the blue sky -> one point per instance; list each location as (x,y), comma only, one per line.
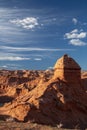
(35,33)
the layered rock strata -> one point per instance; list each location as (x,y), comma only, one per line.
(51,97)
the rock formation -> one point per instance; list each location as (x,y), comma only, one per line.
(51,97)
(67,69)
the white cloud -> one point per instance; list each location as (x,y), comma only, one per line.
(77,42)
(75,34)
(82,35)
(4,66)
(74,20)
(12,58)
(74,31)
(11,66)
(75,37)
(20,49)
(38,59)
(27,23)
(10,32)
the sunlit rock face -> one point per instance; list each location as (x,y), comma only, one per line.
(46,97)
(67,69)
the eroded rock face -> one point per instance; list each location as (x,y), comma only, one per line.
(47,97)
(67,69)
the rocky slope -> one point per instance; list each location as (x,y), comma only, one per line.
(44,98)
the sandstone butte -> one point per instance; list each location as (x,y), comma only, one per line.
(50,97)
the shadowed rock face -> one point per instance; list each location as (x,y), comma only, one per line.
(51,97)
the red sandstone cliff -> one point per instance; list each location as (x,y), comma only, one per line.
(51,97)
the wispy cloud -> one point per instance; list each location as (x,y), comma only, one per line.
(9,53)
(75,21)
(21,26)
(19,43)
(75,37)
(38,59)
(9,33)
(11,66)
(26,19)
(20,49)
(8,56)
(12,58)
